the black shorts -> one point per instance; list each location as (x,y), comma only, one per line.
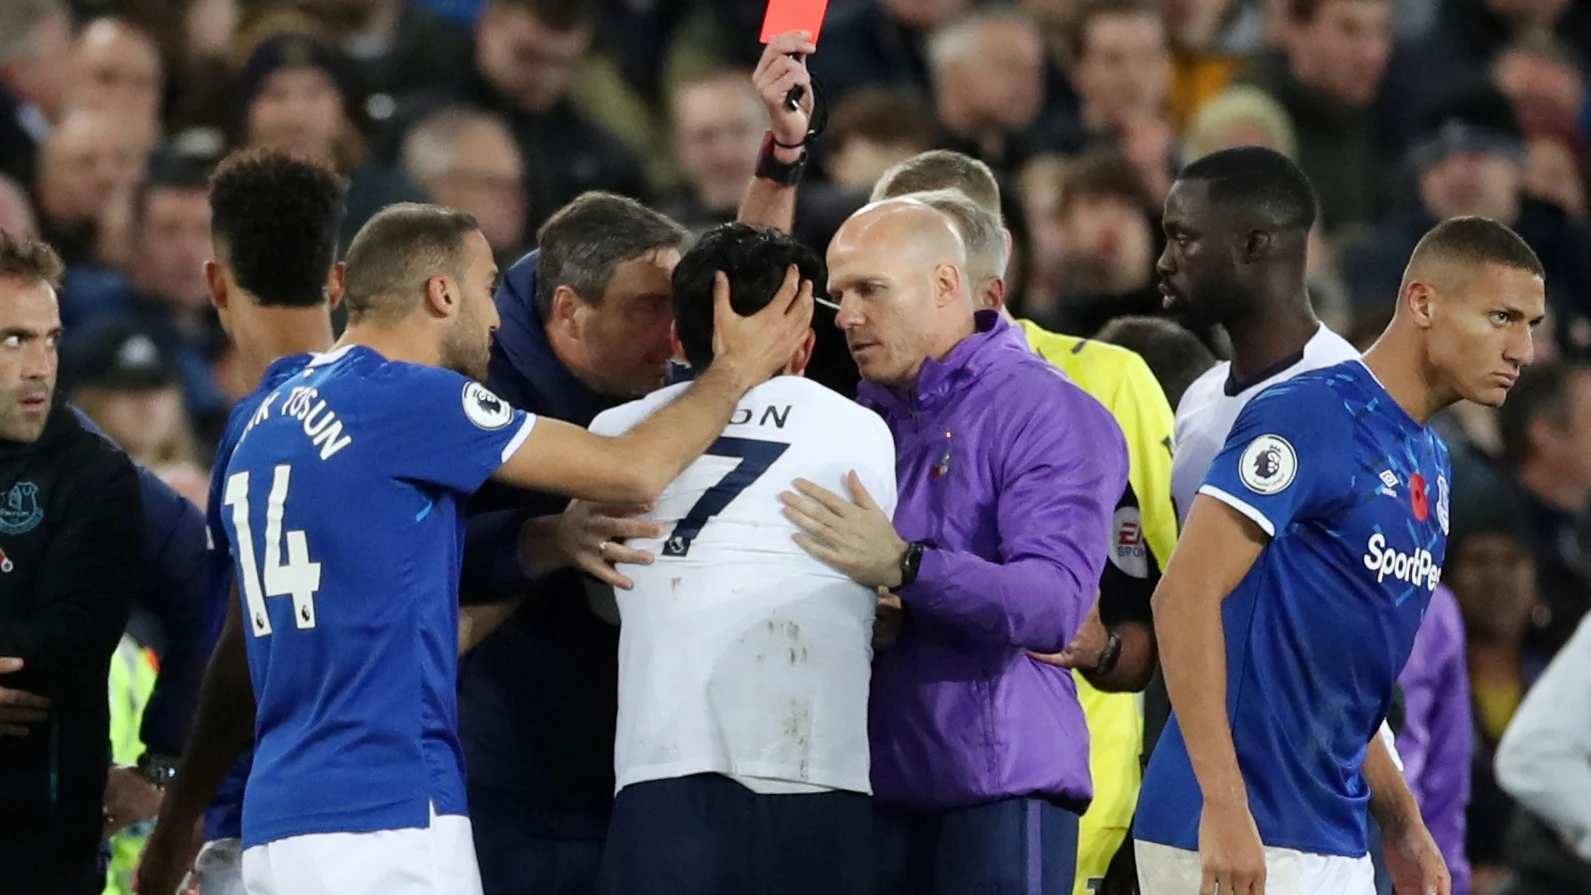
(708,835)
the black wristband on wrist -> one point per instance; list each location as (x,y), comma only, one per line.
(159,770)
(782,173)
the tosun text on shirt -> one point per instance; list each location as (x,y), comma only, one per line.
(305,404)
(1419,568)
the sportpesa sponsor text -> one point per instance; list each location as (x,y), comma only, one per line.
(1417,568)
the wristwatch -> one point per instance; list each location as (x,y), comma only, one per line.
(910,561)
(159,770)
(782,173)
(1110,655)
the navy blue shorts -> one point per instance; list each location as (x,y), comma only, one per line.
(1010,847)
(708,835)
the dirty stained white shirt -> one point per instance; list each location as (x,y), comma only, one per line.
(739,654)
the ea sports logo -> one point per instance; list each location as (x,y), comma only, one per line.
(1268,465)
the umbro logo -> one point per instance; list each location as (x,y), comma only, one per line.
(1389,483)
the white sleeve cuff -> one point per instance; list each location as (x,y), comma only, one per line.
(1242,506)
(519,437)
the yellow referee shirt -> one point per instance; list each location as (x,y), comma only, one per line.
(1119,379)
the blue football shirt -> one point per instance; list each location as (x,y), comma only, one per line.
(342,503)
(1354,494)
(224,819)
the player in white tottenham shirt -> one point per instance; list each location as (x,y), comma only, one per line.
(742,754)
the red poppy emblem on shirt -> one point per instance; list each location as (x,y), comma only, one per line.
(1417,498)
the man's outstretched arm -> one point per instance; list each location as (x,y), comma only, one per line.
(223,727)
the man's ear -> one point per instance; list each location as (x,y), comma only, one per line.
(1420,298)
(441,298)
(947,284)
(334,283)
(1256,244)
(565,306)
(215,278)
(676,345)
(803,355)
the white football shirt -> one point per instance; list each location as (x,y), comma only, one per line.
(1211,404)
(739,654)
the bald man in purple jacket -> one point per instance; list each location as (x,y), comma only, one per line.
(1008,478)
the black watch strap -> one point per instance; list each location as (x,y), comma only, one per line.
(782,173)
(159,770)
(911,561)
(1110,655)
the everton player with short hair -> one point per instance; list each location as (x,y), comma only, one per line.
(1291,605)
(342,499)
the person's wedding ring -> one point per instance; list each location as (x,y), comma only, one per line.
(602,548)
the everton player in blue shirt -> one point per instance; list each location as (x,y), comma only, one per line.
(342,499)
(1292,602)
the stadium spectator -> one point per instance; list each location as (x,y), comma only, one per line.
(1558,164)
(1006,818)
(988,75)
(88,159)
(16,214)
(468,160)
(35,74)
(295,93)
(752,764)
(1242,115)
(396,46)
(1109,239)
(164,289)
(874,129)
(718,124)
(1469,161)
(1492,573)
(1327,78)
(1118,59)
(1437,737)
(66,600)
(881,44)
(1539,70)
(526,53)
(1175,356)
(133,392)
(1545,426)
(1209,40)
(116,68)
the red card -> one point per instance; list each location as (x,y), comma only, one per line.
(793,15)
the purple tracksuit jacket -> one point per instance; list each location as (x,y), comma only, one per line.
(1012,473)
(1439,733)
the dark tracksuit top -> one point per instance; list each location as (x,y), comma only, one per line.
(72,534)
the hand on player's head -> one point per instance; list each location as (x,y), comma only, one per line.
(763,343)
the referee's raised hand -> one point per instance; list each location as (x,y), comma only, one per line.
(19,709)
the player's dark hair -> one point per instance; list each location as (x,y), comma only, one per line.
(941,169)
(1174,355)
(275,219)
(755,261)
(1478,240)
(397,251)
(1258,179)
(29,260)
(1542,393)
(584,241)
